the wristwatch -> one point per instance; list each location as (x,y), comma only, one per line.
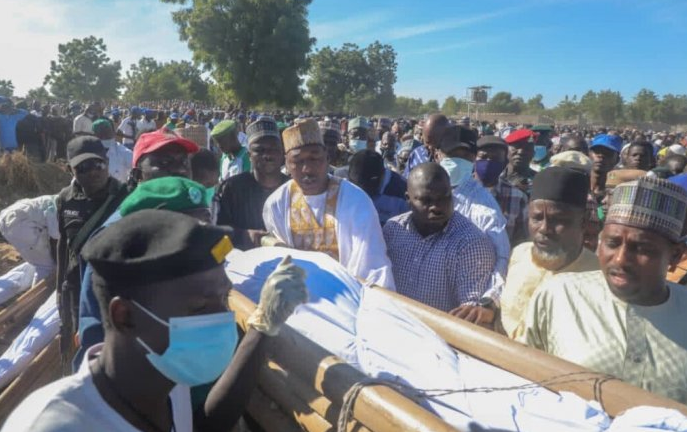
(487,302)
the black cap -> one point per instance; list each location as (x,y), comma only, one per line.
(151,246)
(566,185)
(491,141)
(456,136)
(83,148)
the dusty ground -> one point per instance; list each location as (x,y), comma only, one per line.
(9,258)
(20,178)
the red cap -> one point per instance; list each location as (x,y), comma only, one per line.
(151,141)
(520,135)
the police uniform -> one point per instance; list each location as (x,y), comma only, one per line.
(77,217)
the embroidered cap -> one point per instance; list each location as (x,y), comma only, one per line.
(303,133)
(263,127)
(650,203)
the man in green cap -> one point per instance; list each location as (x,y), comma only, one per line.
(176,194)
(162,289)
(235,159)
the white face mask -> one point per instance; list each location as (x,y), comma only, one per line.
(357,145)
(458,169)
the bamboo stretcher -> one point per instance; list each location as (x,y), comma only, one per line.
(19,312)
(309,384)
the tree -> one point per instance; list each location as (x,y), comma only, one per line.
(6,88)
(566,109)
(588,104)
(452,106)
(534,105)
(431,106)
(83,71)
(408,106)
(645,106)
(353,79)
(39,94)
(257,49)
(149,80)
(673,109)
(609,106)
(503,102)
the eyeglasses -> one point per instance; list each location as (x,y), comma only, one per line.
(89,165)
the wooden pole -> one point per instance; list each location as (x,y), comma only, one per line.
(15,317)
(269,417)
(615,395)
(377,407)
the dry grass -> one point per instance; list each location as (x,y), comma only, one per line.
(20,178)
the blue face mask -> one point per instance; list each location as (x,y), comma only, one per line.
(357,145)
(209,195)
(539,153)
(200,347)
(458,169)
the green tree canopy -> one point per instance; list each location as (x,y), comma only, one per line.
(534,105)
(149,80)
(6,88)
(256,48)
(83,71)
(503,102)
(39,94)
(452,106)
(408,106)
(353,79)
(645,107)
(431,106)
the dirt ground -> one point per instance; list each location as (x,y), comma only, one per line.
(20,178)
(9,258)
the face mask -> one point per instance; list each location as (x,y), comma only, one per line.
(357,145)
(200,347)
(209,195)
(488,171)
(458,169)
(539,153)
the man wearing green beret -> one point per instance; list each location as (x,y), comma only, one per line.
(162,289)
(235,159)
(176,194)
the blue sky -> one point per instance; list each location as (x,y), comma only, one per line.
(552,47)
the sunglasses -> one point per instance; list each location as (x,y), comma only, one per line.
(89,165)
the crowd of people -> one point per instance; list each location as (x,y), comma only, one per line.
(562,238)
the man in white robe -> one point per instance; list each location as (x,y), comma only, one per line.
(318,212)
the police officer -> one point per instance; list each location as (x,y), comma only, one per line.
(161,285)
(83,206)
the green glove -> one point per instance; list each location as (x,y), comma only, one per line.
(284,289)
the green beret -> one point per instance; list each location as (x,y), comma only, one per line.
(223,128)
(358,122)
(168,193)
(152,246)
(101,123)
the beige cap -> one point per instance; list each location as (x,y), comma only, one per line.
(303,133)
(572,159)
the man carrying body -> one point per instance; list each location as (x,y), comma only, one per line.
(491,160)
(624,320)
(242,197)
(81,208)
(318,212)
(438,256)
(456,154)
(556,225)
(235,159)
(119,157)
(520,154)
(162,289)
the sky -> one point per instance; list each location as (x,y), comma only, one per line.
(552,47)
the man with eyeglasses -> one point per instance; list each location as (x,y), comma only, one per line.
(82,207)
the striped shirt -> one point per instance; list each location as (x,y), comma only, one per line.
(443,270)
(513,203)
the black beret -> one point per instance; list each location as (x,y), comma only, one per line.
(491,140)
(151,246)
(566,185)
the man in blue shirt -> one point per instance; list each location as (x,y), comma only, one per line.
(9,118)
